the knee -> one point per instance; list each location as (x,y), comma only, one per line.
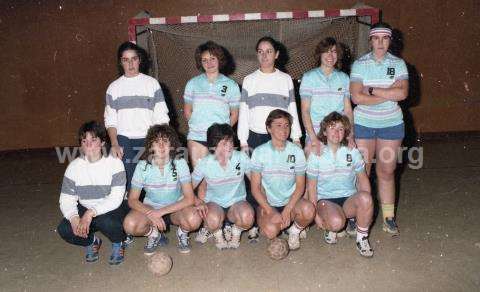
(308,211)
(365,200)
(270,231)
(336,223)
(192,221)
(64,229)
(246,217)
(385,173)
(129,225)
(214,221)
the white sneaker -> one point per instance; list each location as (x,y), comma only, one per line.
(363,247)
(253,234)
(341,234)
(235,237)
(203,235)
(293,238)
(227,232)
(330,237)
(303,233)
(220,241)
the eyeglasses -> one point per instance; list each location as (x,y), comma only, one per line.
(128,60)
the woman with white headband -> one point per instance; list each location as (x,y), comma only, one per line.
(378,81)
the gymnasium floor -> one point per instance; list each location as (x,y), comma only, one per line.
(438,249)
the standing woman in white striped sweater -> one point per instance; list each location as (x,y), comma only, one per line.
(134,102)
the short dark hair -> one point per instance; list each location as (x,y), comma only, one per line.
(331,119)
(272,41)
(156,132)
(325,45)
(214,49)
(277,114)
(94,128)
(217,133)
(142,55)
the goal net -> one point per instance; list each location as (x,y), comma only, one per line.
(171,42)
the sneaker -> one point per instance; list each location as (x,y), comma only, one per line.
(128,240)
(293,240)
(220,241)
(351,228)
(183,243)
(151,245)
(253,235)
(363,247)
(92,250)
(390,226)
(118,253)
(303,233)
(227,231)
(235,235)
(203,235)
(330,237)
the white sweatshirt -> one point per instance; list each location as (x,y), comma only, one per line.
(133,104)
(99,186)
(262,93)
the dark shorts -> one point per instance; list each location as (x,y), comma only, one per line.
(338,201)
(204,143)
(388,133)
(166,218)
(279,209)
(226,221)
(255,139)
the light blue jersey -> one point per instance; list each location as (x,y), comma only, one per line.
(326,93)
(225,187)
(382,74)
(211,103)
(279,170)
(336,174)
(161,189)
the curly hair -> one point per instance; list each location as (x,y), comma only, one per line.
(323,47)
(332,119)
(215,50)
(156,132)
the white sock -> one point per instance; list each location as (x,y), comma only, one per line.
(153,232)
(295,229)
(236,230)
(180,231)
(361,232)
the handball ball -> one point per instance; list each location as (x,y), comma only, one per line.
(278,249)
(160,264)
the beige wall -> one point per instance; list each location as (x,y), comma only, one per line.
(58,58)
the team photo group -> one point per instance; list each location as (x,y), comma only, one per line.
(250,167)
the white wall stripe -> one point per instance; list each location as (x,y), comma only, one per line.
(159,20)
(253,16)
(221,17)
(188,19)
(348,12)
(316,13)
(281,15)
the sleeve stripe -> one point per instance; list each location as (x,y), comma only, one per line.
(68,186)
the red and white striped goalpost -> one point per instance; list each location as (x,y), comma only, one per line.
(373,13)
